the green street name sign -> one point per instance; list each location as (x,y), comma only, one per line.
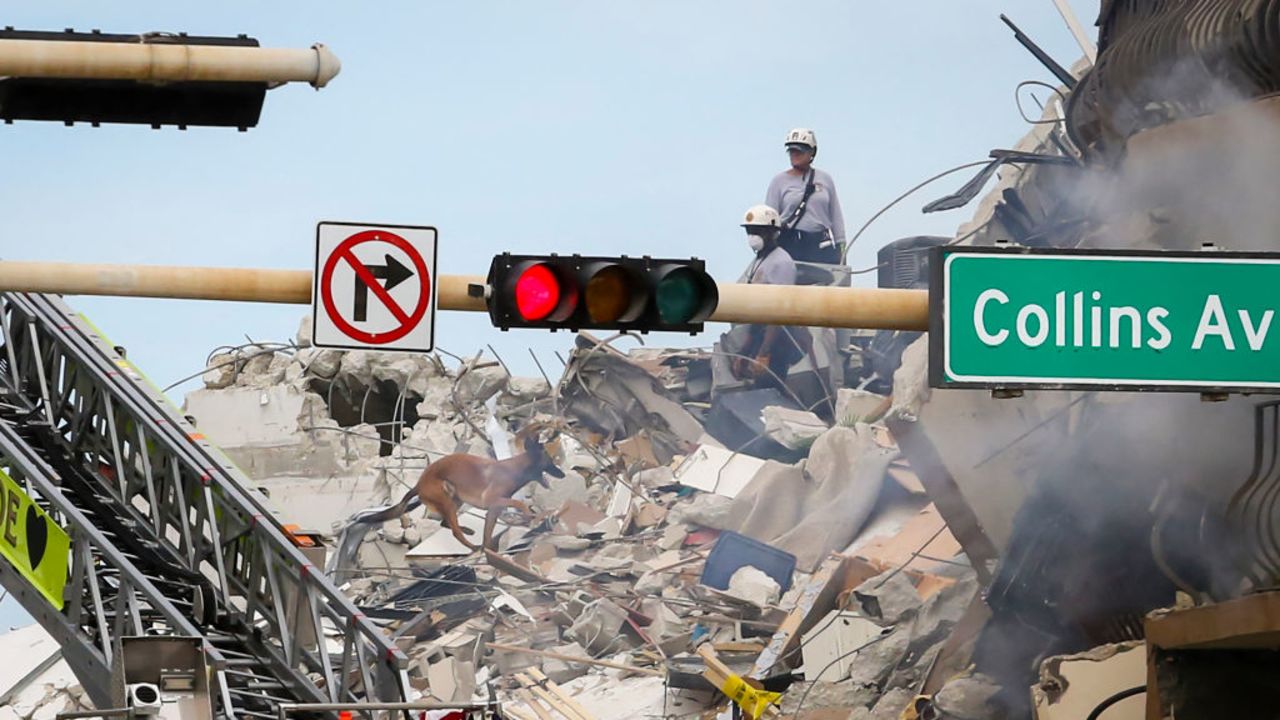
(1022,318)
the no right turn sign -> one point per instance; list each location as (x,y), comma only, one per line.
(374,287)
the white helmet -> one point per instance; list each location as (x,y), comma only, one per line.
(762,215)
(802,136)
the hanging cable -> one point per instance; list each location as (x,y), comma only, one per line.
(844,253)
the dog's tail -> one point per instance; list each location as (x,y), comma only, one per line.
(409,502)
(350,537)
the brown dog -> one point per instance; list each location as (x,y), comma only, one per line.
(478,481)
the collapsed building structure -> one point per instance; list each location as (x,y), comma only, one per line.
(907,553)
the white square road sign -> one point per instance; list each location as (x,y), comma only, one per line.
(374,287)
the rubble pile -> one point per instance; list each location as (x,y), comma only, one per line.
(658,544)
(852,545)
(34,683)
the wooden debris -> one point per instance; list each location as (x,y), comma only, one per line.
(575,659)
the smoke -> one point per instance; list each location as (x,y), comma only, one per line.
(1204,178)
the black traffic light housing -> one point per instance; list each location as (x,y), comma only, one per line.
(575,292)
(217,104)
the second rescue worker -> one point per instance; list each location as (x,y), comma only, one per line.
(812,222)
(768,351)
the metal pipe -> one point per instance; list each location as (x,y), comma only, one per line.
(165,62)
(285,709)
(1077,30)
(810,305)
(126,712)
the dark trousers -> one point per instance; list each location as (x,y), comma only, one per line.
(802,246)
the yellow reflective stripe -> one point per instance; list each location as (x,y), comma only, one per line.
(752,701)
(29,539)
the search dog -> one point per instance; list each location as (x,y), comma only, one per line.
(478,481)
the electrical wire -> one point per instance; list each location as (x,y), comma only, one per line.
(949,243)
(800,707)
(1112,700)
(844,253)
(236,359)
(918,553)
(1017,101)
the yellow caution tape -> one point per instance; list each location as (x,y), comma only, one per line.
(752,701)
(36,547)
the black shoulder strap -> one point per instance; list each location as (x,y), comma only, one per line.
(755,264)
(804,204)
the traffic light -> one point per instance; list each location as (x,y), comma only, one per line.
(606,293)
(150,79)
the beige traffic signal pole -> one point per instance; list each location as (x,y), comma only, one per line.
(811,305)
(167,61)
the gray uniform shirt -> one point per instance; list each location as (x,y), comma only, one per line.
(776,268)
(823,212)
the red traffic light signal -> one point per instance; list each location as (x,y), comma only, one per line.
(611,293)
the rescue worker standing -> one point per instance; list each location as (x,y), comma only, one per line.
(812,221)
(768,346)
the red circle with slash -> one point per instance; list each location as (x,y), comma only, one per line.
(408,321)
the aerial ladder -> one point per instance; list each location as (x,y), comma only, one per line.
(167,538)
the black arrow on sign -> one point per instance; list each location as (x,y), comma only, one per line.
(393,273)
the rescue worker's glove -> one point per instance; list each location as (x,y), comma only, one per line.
(760,366)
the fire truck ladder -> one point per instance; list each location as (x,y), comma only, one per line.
(166,536)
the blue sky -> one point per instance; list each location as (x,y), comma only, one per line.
(595,127)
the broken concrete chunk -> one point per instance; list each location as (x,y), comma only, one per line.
(575,455)
(673,536)
(891,704)
(577,517)
(889,597)
(452,680)
(362,442)
(638,449)
(561,671)
(356,368)
(401,372)
(792,429)
(942,610)
(968,698)
(705,509)
(751,584)
(570,487)
(911,381)
(522,390)
(650,515)
(294,372)
(832,696)
(436,393)
(325,363)
(878,659)
(609,528)
(221,371)
(393,531)
(479,384)
(654,478)
(303,337)
(599,628)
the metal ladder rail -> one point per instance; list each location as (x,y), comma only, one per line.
(88,641)
(182,588)
(256,564)
(364,646)
(130,614)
